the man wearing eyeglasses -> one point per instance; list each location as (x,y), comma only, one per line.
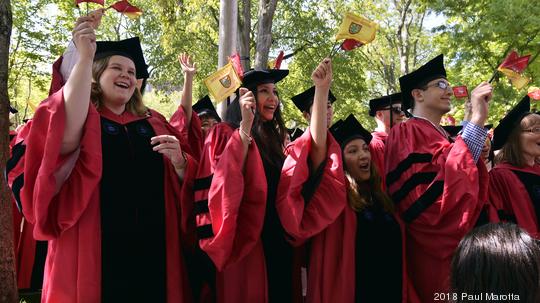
(387,113)
(438,185)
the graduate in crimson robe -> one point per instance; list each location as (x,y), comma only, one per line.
(353,246)
(106,183)
(515,180)
(312,200)
(387,113)
(437,184)
(235,194)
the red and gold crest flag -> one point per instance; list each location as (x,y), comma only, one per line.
(235,60)
(125,8)
(357,28)
(513,67)
(460,91)
(223,83)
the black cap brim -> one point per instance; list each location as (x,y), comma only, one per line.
(434,69)
(383,102)
(348,130)
(509,122)
(304,100)
(130,48)
(255,77)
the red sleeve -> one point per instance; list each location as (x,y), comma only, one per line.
(48,203)
(302,219)
(57,81)
(511,199)
(192,135)
(376,148)
(230,204)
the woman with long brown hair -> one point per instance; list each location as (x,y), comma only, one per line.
(105,181)
(515,179)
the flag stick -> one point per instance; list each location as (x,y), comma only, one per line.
(494,75)
(332,50)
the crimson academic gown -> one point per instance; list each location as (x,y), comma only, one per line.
(61,197)
(513,192)
(439,192)
(231,207)
(376,148)
(322,217)
(193,135)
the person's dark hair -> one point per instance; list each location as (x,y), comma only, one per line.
(512,151)
(269,135)
(497,258)
(359,196)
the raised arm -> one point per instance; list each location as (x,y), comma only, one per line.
(77,88)
(189,69)
(247,107)
(322,78)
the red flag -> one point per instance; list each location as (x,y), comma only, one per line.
(237,65)
(350,44)
(534,92)
(460,91)
(279,59)
(102,2)
(514,62)
(124,7)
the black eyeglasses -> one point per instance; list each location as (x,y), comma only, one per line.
(396,110)
(440,84)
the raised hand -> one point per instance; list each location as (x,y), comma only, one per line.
(480,97)
(322,75)
(169,146)
(84,37)
(188,66)
(96,17)
(247,108)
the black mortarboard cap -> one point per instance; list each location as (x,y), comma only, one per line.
(509,122)
(305,99)
(488,126)
(205,107)
(432,70)
(130,48)
(295,133)
(12,110)
(256,77)
(348,130)
(453,130)
(382,102)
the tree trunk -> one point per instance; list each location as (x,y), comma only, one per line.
(8,285)
(244,34)
(264,32)
(228,16)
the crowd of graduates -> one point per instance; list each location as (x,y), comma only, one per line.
(117,204)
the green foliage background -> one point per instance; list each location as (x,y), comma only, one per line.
(474,36)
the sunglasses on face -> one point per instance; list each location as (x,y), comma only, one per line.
(396,110)
(440,84)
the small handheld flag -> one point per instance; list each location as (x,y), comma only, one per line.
(125,8)
(357,28)
(460,91)
(513,67)
(237,65)
(223,83)
(534,92)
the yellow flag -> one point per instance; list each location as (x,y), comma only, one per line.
(223,83)
(357,28)
(31,105)
(517,79)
